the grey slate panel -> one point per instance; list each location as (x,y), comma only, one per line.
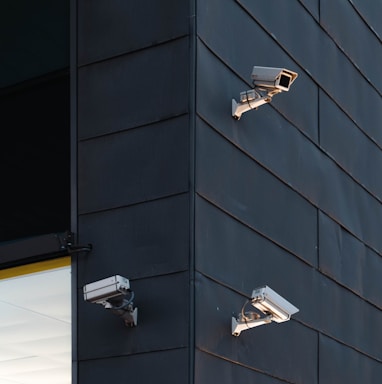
(169,367)
(144,240)
(287,351)
(313,7)
(212,369)
(348,261)
(309,170)
(340,364)
(351,33)
(134,89)
(163,320)
(108,29)
(319,55)
(371,12)
(341,314)
(134,166)
(230,179)
(350,147)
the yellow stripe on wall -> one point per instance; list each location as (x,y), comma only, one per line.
(35,267)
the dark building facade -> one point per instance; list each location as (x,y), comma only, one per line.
(194,207)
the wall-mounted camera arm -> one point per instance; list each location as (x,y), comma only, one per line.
(248,100)
(124,308)
(247,321)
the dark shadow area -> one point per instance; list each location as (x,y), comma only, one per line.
(35,159)
(34,118)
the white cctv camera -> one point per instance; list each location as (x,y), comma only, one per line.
(271,304)
(112,293)
(267,82)
(273,78)
(103,290)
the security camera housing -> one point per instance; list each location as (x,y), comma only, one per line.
(101,291)
(269,302)
(276,78)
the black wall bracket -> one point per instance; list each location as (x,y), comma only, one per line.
(67,244)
